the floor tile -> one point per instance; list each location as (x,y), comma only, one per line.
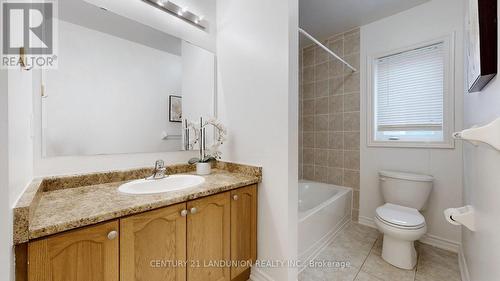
(377,249)
(361,247)
(340,274)
(436,264)
(311,274)
(376,266)
(347,273)
(358,243)
(361,232)
(352,245)
(363,276)
(344,253)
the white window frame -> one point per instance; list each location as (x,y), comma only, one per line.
(448,97)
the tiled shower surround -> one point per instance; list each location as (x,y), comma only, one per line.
(329,114)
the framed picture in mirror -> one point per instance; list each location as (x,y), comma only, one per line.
(174,108)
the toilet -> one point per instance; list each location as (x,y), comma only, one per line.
(399,219)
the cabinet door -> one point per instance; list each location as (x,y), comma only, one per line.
(243,228)
(208,227)
(153,245)
(80,255)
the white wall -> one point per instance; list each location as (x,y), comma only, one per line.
(109,98)
(258,101)
(16,154)
(5,210)
(482,187)
(20,132)
(428,21)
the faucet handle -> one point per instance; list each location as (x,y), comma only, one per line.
(159,164)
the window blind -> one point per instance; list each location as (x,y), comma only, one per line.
(409,90)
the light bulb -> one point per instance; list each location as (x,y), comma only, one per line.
(198,19)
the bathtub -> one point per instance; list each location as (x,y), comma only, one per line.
(323,210)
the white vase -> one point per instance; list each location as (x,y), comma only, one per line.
(203,168)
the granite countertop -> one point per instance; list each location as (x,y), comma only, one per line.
(54,205)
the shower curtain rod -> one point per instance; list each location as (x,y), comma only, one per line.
(326,49)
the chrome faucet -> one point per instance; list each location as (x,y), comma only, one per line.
(159,172)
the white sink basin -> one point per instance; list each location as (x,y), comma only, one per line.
(170,183)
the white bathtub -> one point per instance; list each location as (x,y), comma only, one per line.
(323,210)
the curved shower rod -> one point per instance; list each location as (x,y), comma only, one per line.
(326,49)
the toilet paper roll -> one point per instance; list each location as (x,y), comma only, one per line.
(448,213)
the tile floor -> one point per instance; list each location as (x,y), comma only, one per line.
(361,246)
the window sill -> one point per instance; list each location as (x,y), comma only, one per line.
(408,144)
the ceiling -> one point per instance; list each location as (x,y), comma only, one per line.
(324,18)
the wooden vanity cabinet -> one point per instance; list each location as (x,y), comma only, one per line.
(208,238)
(85,254)
(153,245)
(243,230)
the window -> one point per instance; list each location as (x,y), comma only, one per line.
(410,100)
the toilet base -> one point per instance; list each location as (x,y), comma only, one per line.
(399,253)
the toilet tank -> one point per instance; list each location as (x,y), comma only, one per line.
(405,189)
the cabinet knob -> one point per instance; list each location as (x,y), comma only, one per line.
(194,210)
(184,213)
(112,235)
(235,197)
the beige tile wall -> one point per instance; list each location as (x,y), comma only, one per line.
(329,114)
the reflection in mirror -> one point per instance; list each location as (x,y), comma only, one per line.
(121,86)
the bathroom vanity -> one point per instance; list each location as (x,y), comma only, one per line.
(83,228)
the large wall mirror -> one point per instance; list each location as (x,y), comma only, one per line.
(121,86)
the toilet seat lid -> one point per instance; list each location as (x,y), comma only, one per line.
(400,215)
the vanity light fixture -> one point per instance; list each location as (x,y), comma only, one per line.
(178,11)
(200,18)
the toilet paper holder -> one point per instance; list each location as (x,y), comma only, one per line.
(489,134)
(461,216)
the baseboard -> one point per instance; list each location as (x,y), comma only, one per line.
(366,221)
(441,243)
(428,239)
(462,264)
(258,275)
